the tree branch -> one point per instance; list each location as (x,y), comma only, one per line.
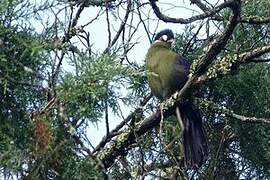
(209,105)
(250,55)
(207,14)
(259,60)
(70,32)
(227,63)
(113,133)
(88,3)
(108,24)
(255,20)
(121,28)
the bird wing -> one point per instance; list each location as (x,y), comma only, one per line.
(179,73)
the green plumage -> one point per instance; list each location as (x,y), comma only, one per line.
(166,72)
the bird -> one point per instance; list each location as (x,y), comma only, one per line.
(167,72)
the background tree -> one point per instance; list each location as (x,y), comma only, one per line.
(65,65)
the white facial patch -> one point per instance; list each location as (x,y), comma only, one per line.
(165,38)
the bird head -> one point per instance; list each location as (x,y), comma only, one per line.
(165,35)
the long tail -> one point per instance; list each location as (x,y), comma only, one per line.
(195,141)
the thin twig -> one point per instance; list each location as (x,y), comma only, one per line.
(121,28)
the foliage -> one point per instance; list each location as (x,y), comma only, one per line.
(54,84)
(87,93)
(19,66)
(245,93)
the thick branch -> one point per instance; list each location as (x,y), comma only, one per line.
(255,20)
(227,63)
(259,60)
(201,5)
(88,3)
(113,132)
(207,14)
(248,56)
(248,119)
(198,68)
(218,44)
(121,144)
